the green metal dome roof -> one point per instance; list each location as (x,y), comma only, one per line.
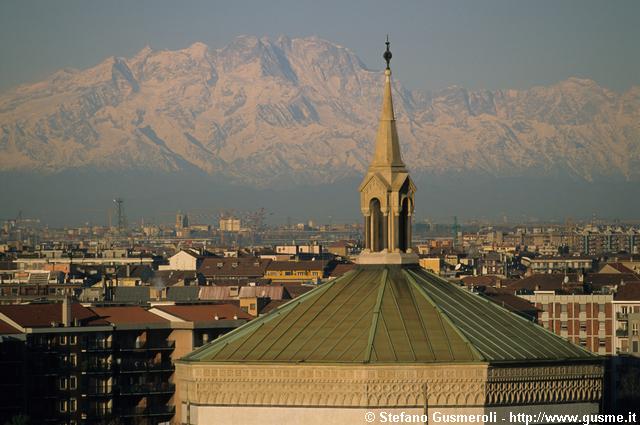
(388,314)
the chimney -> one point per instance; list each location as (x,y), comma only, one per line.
(66,311)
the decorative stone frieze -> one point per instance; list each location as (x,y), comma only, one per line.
(386,386)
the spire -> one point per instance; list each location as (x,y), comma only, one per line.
(387,153)
(387,192)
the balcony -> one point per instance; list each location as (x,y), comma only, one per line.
(44,348)
(143,389)
(97,368)
(622,316)
(148,411)
(146,366)
(622,333)
(149,345)
(97,415)
(97,346)
(99,390)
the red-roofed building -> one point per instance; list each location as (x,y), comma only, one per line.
(69,359)
(195,325)
(616,268)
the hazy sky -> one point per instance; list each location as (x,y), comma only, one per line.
(476,44)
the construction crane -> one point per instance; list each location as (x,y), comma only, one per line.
(255,219)
(455,229)
(122,219)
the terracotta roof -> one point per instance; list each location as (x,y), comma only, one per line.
(205,312)
(237,267)
(513,303)
(630,291)
(127,315)
(41,315)
(545,282)
(272,305)
(296,265)
(597,280)
(619,267)
(7,329)
(341,268)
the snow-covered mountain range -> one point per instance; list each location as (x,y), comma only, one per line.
(264,112)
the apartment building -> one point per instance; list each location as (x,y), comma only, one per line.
(74,364)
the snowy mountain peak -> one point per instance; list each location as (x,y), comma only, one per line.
(304,110)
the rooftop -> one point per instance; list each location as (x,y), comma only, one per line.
(296,265)
(630,291)
(389,314)
(130,314)
(205,312)
(42,315)
(243,266)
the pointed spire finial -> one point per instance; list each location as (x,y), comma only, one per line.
(387,54)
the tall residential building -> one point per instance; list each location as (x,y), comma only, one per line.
(67,364)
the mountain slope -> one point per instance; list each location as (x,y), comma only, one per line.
(300,111)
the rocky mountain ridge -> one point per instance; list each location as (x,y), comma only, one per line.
(303,111)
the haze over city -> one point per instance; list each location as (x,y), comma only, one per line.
(506,109)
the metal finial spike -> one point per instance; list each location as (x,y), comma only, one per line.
(387,54)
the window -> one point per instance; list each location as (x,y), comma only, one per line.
(602,326)
(73,405)
(583,342)
(563,308)
(62,405)
(600,308)
(634,329)
(602,343)
(634,347)
(73,383)
(63,383)
(62,340)
(563,325)
(583,326)
(583,308)
(73,340)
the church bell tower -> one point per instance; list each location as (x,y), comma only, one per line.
(387,192)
